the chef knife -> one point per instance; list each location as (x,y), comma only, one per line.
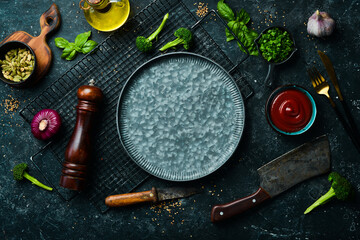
(153,195)
(306,161)
(331,73)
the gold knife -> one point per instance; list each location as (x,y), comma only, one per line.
(331,72)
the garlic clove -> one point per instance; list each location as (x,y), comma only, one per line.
(320,24)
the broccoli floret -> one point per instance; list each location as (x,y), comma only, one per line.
(184,36)
(144,44)
(340,188)
(20,173)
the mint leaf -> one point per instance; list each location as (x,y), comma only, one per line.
(81,39)
(225,11)
(88,46)
(61,42)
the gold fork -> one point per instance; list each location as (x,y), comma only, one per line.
(319,83)
(322,88)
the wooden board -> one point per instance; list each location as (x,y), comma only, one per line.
(49,22)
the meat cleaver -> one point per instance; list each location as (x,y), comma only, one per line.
(306,161)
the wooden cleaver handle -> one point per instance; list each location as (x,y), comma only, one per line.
(225,211)
(131,198)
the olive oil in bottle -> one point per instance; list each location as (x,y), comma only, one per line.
(106,15)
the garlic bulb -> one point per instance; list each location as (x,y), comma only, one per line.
(320,24)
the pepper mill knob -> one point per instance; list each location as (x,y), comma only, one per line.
(78,151)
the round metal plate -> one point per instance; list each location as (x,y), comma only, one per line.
(180,116)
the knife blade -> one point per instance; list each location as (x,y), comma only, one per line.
(153,195)
(355,134)
(306,161)
(331,72)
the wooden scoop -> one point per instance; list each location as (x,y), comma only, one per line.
(49,21)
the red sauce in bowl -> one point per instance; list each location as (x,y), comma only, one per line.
(290,110)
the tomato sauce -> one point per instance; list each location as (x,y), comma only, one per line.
(291,110)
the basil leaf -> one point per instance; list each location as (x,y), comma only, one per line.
(78,49)
(68,50)
(81,39)
(225,11)
(88,46)
(229,36)
(233,25)
(71,56)
(245,35)
(61,42)
(243,16)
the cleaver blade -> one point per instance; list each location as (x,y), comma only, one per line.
(306,161)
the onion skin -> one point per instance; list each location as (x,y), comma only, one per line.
(52,126)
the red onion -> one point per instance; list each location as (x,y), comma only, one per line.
(45,124)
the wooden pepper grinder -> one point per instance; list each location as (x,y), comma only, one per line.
(78,150)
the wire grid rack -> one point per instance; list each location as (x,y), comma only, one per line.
(110,64)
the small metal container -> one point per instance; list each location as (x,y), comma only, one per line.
(4,48)
(270,76)
(281,89)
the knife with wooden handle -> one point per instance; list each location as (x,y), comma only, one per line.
(331,72)
(153,195)
(306,161)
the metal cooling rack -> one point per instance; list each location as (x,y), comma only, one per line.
(110,64)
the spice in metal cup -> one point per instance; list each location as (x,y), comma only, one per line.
(17,63)
(276,45)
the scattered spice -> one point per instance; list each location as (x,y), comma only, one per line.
(10,105)
(202,9)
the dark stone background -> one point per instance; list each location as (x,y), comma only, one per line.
(27,212)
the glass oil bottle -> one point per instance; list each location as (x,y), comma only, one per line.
(106,15)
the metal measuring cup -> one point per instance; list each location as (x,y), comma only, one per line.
(269,80)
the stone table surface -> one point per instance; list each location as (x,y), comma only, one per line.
(27,212)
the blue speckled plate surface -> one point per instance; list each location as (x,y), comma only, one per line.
(180,116)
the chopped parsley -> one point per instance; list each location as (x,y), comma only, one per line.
(276,45)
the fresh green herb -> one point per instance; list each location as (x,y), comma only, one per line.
(20,173)
(276,45)
(145,44)
(88,46)
(225,11)
(184,37)
(81,45)
(238,25)
(340,188)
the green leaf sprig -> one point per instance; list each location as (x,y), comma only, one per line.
(81,45)
(237,24)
